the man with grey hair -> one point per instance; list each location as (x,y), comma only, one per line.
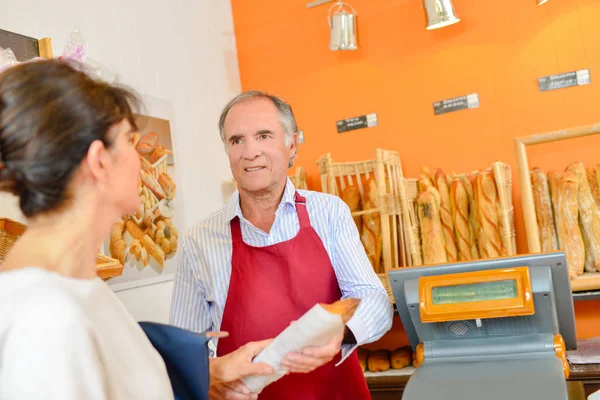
(271,254)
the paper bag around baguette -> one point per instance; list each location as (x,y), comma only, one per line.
(571,239)
(345,308)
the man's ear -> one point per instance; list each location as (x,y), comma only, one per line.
(95,161)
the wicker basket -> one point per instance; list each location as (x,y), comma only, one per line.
(11,230)
(299,179)
(386,169)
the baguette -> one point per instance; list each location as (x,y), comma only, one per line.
(117,247)
(571,239)
(345,308)
(460,216)
(467,181)
(593,175)
(432,238)
(371,231)
(589,215)
(543,210)
(487,213)
(151,183)
(134,230)
(554,179)
(351,196)
(446,215)
(153,249)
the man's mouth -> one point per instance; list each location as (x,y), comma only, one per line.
(252,169)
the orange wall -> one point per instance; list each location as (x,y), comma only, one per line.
(498,50)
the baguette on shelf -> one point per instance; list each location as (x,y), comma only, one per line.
(569,205)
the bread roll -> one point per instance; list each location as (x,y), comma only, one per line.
(351,196)
(554,179)
(432,238)
(571,239)
(379,361)
(446,215)
(472,213)
(363,356)
(168,185)
(543,210)
(371,223)
(401,357)
(460,216)
(345,308)
(488,217)
(593,175)
(589,215)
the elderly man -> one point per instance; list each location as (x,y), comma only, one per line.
(272,253)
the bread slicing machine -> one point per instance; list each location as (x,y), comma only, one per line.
(493,329)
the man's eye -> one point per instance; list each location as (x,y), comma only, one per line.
(264,136)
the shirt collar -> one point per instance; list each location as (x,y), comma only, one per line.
(233,205)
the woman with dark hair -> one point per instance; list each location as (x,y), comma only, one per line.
(66,152)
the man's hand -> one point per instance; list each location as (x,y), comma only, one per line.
(235,390)
(238,364)
(313,357)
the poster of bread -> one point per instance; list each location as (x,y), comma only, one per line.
(146,242)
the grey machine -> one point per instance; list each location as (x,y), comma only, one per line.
(497,358)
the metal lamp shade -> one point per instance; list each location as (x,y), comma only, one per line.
(439,13)
(342,27)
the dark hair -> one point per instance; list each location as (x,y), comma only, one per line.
(50,113)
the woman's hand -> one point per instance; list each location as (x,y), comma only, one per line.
(238,364)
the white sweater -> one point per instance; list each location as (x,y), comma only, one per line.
(65,338)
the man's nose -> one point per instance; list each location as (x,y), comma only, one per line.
(251,150)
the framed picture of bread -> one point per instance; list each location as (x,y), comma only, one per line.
(146,242)
(561,207)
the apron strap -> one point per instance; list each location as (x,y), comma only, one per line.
(236,231)
(301,211)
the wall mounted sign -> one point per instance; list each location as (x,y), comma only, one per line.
(350,124)
(456,104)
(568,79)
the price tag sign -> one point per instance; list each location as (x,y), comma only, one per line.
(568,79)
(456,104)
(350,124)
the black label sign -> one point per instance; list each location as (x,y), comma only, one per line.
(568,79)
(350,124)
(456,104)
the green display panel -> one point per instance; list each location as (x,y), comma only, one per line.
(472,292)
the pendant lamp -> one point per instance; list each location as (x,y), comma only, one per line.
(439,13)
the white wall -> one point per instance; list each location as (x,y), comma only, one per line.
(182,51)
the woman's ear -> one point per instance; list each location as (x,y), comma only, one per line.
(96,161)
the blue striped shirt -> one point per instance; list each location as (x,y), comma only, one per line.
(204,268)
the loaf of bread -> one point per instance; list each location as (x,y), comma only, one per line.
(589,215)
(117,247)
(152,184)
(156,154)
(379,361)
(168,185)
(351,196)
(446,215)
(543,210)
(473,227)
(147,143)
(593,174)
(153,249)
(371,225)
(460,216)
(571,239)
(432,238)
(345,308)
(363,356)
(487,216)
(401,358)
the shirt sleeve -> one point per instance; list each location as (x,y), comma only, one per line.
(51,356)
(356,277)
(189,307)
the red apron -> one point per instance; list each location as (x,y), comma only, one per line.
(274,285)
